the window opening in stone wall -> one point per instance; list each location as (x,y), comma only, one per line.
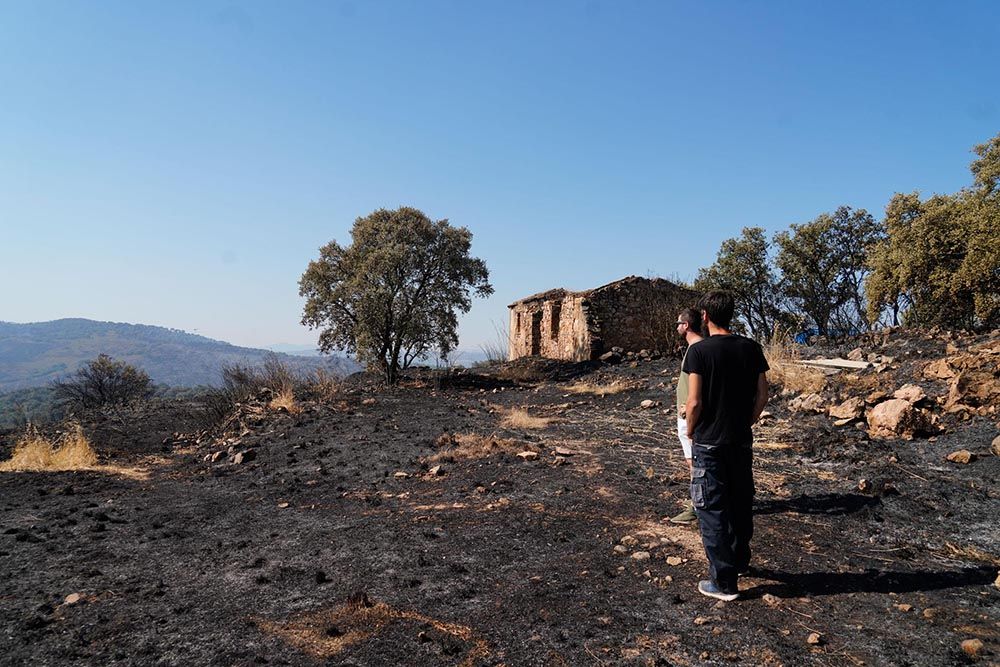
(536,332)
(555,312)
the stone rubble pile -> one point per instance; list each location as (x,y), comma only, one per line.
(972,375)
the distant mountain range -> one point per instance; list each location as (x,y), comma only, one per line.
(33,355)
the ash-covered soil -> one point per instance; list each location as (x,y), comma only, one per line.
(401,527)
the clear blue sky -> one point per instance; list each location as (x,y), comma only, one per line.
(179,163)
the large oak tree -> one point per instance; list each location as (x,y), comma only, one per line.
(393,294)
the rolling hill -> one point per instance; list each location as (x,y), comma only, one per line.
(32,355)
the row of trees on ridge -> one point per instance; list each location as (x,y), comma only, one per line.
(929,262)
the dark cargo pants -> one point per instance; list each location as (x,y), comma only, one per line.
(722,491)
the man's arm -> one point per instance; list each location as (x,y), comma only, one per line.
(693,406)
(760,400)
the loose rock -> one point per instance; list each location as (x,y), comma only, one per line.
(245,456)
(910,393)
(850,409)
(896,418)
(814,638)
(528,455)
(972,647)
(640,555)
(962,456)
(807,403)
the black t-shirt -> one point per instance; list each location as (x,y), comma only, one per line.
(729,366)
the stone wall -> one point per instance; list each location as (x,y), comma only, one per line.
(554,327)
(632,313)
(638,313)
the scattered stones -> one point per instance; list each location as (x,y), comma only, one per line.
(972,647)
(528,455)
(995,446)
(857,354)
(904,607)
(771,600)
(701,620)
(621,549)
(73,598)
(400,474)
(962,456)
(216,456)
(562,451)
(647,404)
(435,471)
(283,505)
(814,638)
(640,555)
(674,560)
(629,541)
(807,403)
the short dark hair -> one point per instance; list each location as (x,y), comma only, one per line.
(693,318)
(719,306)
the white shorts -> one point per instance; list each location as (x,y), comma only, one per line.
(682,435)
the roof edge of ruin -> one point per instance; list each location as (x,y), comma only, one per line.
(561,292)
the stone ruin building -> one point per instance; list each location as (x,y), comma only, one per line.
(632,314)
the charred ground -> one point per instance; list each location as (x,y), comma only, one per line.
(412,526)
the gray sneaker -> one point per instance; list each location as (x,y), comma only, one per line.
(706,587)
(687,516)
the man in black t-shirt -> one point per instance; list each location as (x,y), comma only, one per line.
(727,391)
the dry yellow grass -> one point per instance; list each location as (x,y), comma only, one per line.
(520,418)
(328,632)
(285,400)
(472,446)
(616,387)
(35,452)
(787,371)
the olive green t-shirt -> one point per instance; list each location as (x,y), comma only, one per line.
(682,386)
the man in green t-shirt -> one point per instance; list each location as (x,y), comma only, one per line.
(688,328)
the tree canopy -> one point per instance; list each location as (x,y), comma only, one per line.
(393,294)
(940,262)
(743,267)
(823,264)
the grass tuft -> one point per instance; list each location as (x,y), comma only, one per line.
(34,452)
(285,399)
(520,418)
(616,387)
(787,371)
